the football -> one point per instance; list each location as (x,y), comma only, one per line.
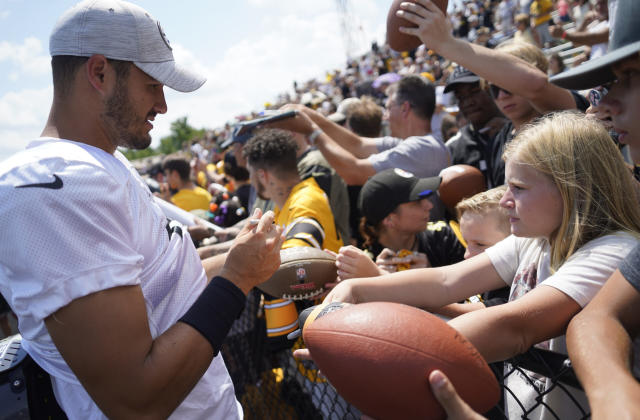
(379,355)
(459,182)
(396,39)
(302,274)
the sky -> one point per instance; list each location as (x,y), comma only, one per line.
(250,51)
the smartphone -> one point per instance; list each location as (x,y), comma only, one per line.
(248,126)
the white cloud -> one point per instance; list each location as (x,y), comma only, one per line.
(5,14)
(28,56)
(298,45)
(22,117)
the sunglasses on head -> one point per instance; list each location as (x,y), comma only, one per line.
(495,90)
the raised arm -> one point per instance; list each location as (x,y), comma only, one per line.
(507,71)
(599,343)
(352,169)
(105,337)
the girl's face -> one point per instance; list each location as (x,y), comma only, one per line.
(532,201)
(481,230)
(515,107)
(411,217)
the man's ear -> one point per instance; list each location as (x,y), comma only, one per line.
(405,108)
(96,68)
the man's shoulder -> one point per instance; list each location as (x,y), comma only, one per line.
(50,164)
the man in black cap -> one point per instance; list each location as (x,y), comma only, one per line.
(599,338)
(473,143)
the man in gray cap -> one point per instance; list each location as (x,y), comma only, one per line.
(112,299)
(473,143)
(599,339)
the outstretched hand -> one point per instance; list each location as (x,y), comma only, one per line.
(255,253)
(353,262)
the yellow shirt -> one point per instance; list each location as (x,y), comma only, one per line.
(307,218)
(540,11)
(197,198)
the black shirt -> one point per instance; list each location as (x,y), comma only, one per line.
(439,242)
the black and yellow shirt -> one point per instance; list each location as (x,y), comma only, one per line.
(307,218)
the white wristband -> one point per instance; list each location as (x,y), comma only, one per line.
(314,135)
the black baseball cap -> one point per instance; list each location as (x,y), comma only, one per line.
(624,41)
(460,75)
(384,191)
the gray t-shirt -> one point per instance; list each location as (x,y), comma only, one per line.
(630,268)
(423,156)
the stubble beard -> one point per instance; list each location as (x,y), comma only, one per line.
(120,119)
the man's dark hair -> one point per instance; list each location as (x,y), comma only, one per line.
(272,149)
(416,90)
(365,117)
(178,164)
(64,68)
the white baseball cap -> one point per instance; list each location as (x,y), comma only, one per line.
(121,31)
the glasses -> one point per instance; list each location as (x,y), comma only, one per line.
(495,90)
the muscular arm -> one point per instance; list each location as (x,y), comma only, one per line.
(105,339)
(599,343)
(505,70)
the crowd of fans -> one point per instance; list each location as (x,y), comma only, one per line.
(355,170)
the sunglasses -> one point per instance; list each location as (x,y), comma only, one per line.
(495,90)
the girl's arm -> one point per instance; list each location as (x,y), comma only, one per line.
(503,331)
(428,288)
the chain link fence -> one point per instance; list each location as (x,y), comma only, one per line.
(271,384)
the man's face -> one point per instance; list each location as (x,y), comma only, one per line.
(134,101)
(393,114)
(623,103)
(254,178)
(475,103)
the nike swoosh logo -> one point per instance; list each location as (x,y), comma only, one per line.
(55,185)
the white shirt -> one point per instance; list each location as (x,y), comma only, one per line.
(100,229)
(524,263)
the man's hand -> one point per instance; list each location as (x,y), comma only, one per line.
(446,394)
(199,231)
(301,123)
(255,253)
(433,27)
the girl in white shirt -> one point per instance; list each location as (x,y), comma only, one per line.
(574,216)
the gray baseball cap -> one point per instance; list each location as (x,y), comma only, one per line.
(624,41)
(121,31)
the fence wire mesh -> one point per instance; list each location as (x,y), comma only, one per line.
(271,384)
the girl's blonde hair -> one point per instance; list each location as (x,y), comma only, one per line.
(485,202)
(598,191)
(527,52)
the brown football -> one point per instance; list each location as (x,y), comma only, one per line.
(459,182)
(302,274)
(379,355)
(396,39)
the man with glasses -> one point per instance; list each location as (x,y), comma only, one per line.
(411,147)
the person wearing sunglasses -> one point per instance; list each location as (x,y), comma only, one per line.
(518,72)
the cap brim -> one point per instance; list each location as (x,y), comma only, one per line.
(173,75)
(466,79)
(594,72)
(425,187)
